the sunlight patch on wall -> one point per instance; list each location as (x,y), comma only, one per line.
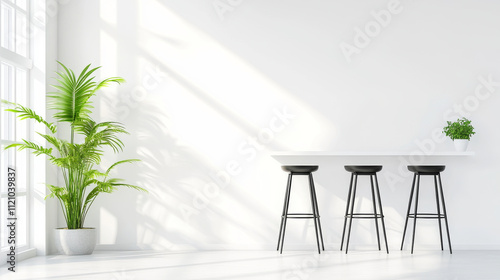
(109,48)
(218,93)
(108,226)
(108,11)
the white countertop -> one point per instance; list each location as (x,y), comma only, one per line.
(364,153)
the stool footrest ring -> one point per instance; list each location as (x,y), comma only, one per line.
(301,216)
(427,216)
(364,216)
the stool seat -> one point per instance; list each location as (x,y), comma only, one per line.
(300,168)
(426,168)
(363,168)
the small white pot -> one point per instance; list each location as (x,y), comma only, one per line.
(75,241)
(461,144)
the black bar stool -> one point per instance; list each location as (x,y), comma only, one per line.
(427,170)
(300,170)
(369,170)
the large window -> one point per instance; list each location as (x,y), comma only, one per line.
(15,66)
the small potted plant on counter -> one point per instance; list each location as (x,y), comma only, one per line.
(460,132)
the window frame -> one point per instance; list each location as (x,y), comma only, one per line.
(15,60)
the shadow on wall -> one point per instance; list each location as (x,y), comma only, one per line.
(193,202)
(186,123)
(182,184)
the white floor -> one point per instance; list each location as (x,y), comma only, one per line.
(462,265)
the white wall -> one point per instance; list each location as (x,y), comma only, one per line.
(213,88)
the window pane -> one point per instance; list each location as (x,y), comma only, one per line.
(3,219)
(21,86)
(7,93)
(14,87)
(21,229)
(7,27)
(8,160)
(8,129)
(4,88)
(2,106)
(3,172)
(21,37)
(21,96)
(22,4)
(21,127)
(4,71)
(21,169)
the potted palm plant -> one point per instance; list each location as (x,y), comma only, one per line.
(460,132)
(77,160)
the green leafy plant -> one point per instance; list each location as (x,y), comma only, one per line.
(461,129)
(83,182)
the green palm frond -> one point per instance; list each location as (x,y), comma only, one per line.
(94,173)
(108,81)
(120,162)
(108,137)
(101,187)
(6,102)
(102,134)
(85,127)
(130,186)
(91,196)
(60,145)
(36,149)
(85,153)
(58,192)
(27,113)
(72,101)
(62,162)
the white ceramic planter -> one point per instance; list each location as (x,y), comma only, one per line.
(75,241)
(461,144)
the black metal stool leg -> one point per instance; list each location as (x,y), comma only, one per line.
(438,212)
(315,215)
(287,192)
(317,212)
(415,213)
(347,210)
(381,214)
(444,212)
(375,211)
(285,212)
(408,211)
(352,211)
